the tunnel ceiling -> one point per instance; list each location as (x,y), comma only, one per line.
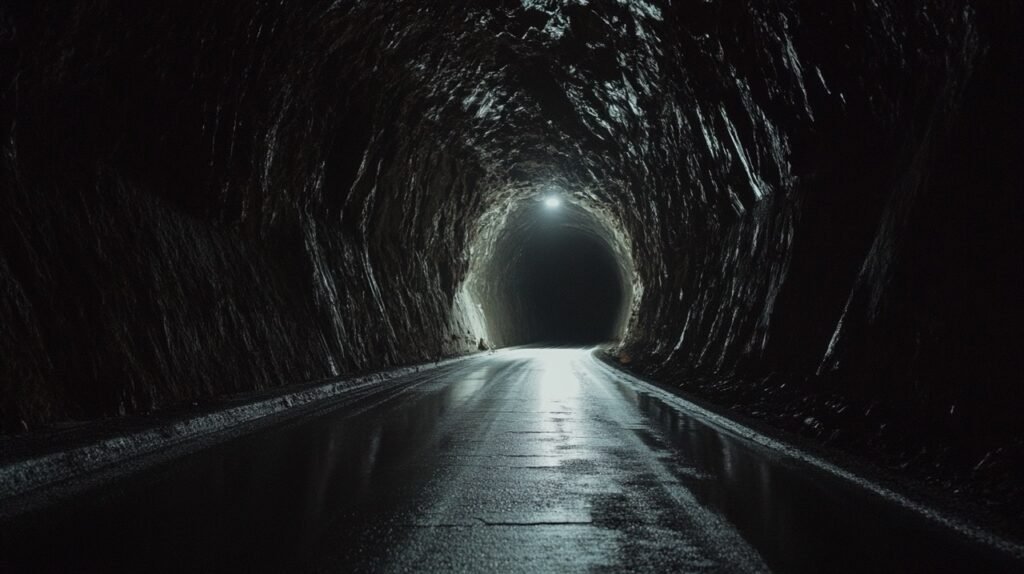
(215,197)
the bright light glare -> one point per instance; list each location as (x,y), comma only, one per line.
(552,202)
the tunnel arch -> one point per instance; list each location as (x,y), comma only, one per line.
(542,273)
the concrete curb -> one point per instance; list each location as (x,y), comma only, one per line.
(28,475)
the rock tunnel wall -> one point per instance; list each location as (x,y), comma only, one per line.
(210,198)
(878,141)
(214,198)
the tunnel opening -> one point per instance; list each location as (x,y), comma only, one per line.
(567,288)
(552,270)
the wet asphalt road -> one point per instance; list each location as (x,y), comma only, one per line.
(526,460)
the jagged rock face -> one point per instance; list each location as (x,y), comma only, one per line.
(218,197)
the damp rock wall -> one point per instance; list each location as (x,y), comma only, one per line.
(212,197)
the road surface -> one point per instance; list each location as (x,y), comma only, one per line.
(527,460)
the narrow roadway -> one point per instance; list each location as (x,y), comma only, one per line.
(527,460)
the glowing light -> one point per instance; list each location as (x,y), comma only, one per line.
(552,202)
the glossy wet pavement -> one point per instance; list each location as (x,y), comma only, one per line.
(526,460)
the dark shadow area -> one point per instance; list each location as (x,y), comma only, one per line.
(554,276)
(568,287)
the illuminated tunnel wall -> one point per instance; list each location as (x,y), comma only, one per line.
(213,197)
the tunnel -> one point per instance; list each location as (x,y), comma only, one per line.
(808,213)
(553,272)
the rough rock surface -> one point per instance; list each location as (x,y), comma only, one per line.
(209,197)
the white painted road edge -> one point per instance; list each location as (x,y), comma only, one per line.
(28,475)
(730,426)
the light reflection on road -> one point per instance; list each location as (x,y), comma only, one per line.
(527,459)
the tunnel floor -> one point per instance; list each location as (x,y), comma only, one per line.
(524,460)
